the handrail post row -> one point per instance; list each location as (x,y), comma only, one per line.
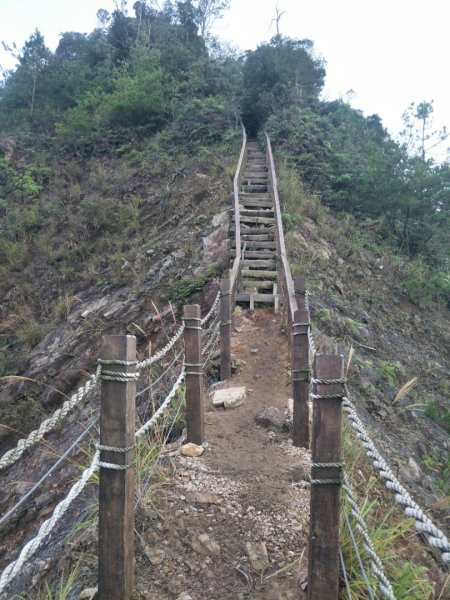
(300,378)
(326,477)
(225,329)
(193,373)
(117,470)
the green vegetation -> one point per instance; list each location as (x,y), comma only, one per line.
(439,465)
(388,531)
(439,414)
(184,288)
(322,315)
(390,370)
(409,581)
(62,591)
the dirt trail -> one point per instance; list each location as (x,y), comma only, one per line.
(241,490)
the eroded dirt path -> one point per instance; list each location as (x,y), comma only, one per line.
(240,495)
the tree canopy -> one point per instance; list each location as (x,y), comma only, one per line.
(160,69)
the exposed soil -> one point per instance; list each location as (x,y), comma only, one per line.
(239,491)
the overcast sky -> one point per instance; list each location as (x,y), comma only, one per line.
(389,52)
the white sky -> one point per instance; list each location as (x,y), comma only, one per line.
(389,52)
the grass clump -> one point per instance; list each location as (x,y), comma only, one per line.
(439,414)
(390,370)
(387,533)
(62,591)
(180,291)
(390,534)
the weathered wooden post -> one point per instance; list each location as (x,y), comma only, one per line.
(300,292)
(193,374)
(225,329)
(300,378)
(323,570)
(117,471)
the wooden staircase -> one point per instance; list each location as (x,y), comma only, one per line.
(259,276)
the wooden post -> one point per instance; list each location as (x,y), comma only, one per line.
(225,329)
(116,492)
(194,374)
(300,292)
(323,569)
(300,378)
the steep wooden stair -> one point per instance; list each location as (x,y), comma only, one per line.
(259,275)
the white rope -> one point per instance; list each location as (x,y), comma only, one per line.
(424,524)
(163,406)
(35,436)
(32,546)
(212,310)
(383,582)
(156,357)
(312,344)
(212,339)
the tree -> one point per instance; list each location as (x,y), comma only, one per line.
(419,136)
(35,57)
(21,85)
(277,19)
(208,11)
(277,75)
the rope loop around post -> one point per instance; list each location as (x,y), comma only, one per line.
(336,396)
(122,376)
(189,320)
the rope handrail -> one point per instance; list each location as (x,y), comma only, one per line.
(435,537)
(383,582)
(38,484)
(10,457)
(149,424)
(12,570)
(161,353)
(212,310)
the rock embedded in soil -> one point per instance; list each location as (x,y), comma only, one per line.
(229,397)
(272,418)
(205,546)
(257,553)
(298,473)
(191,450)
(155,555)
(204,498)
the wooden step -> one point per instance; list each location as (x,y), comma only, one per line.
(259,264)
(259,220)
(266,285)
(252,180)
(257,168)
(264,254)
(248,237)
(259,273)
(256,230)
(256,203)
(245,297)
(255,174)
(251,244)
(255,212)
(253,188)
(253,196)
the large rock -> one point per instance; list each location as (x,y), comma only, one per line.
(229,397)
(257,553)
(272,418)
(191,450)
